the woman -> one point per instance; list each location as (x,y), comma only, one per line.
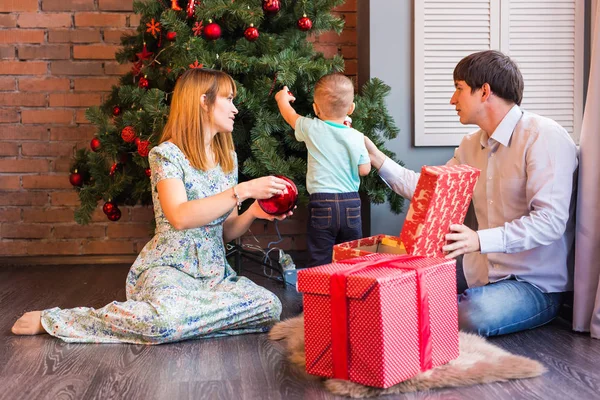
(180,286)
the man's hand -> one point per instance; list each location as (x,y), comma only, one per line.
(376,156)
(464,240)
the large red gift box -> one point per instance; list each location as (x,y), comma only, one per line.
(380,319)
(441,198)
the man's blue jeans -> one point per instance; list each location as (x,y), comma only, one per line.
(505,307)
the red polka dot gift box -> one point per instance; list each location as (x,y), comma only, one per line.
(379,319)
(441,198)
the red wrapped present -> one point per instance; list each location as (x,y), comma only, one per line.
(384,244)
(441,198)
(380,319)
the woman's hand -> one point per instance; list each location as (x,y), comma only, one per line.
(258,212)
(261,188)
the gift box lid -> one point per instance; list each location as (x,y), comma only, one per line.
(383,269)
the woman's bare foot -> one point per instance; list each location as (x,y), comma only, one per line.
(30,323)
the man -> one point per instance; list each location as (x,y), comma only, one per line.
(516,263)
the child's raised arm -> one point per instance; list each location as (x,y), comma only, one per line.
(283,99)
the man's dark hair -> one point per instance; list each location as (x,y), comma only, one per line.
(494,68)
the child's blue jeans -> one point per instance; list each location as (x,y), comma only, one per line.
(332,218)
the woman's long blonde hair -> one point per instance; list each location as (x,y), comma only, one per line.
(188,121)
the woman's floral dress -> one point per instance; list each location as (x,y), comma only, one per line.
(180,287)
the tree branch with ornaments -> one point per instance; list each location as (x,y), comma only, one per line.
(264,45)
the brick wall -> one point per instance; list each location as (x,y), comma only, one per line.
(57,59)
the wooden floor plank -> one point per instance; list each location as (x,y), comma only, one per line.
(238,367)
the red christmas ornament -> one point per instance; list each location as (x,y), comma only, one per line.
(191,7)
(76,179)
(171,35)
(196,65)
(128,134)
(95,144)
(304,23)
(113,169)
(144,54)
(148,172)
(348,121)
(116,111)
(137,141)
(153,27)
(175,6)
(281,203)
(271,6)
(212,31)
(115,215)
(251,33)
(144,83)
(143,148)
(137,68)
(198,28)
(109,207)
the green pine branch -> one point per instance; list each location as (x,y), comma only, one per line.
(265,144)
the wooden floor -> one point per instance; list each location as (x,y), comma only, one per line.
(242,367)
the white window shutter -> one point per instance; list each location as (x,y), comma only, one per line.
(545,38)
(445,32)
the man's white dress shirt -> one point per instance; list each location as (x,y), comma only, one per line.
(523,201)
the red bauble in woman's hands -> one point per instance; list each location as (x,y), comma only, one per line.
(281,203)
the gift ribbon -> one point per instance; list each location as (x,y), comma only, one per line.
(339,313)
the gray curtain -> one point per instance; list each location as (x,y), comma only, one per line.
(586,305)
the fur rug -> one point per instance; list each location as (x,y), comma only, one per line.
(479,362)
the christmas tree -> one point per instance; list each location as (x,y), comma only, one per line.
(263,45)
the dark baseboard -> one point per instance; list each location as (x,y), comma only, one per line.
(68,260)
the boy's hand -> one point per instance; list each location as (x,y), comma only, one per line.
(284,95)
